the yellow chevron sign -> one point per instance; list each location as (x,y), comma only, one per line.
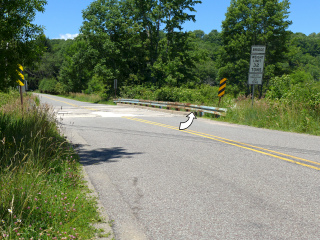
(222,88)
(21,77)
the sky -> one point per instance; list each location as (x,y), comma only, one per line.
(62,18)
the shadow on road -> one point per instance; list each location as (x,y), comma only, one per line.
(103,155)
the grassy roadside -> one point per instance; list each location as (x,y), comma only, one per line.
(274,114)
(92,98)
(42,192)
(295,112)
(295,109)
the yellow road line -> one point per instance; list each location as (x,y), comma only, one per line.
(71,104)
(233,143)
(287,155)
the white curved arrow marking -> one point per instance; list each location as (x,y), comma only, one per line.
(185,125)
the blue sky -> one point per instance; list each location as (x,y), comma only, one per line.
(63,18)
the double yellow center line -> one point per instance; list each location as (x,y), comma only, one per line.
(271,153)
(71,104)
(268,152)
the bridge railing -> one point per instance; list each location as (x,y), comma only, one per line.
(176,106)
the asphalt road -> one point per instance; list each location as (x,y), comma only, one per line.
(212,181)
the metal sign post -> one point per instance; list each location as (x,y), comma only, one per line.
(256,66)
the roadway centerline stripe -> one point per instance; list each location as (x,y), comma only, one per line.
(192,131)
(71,103)
(287,155)
(233,144)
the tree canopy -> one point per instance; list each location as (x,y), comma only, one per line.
(254,22)
(143,43)
(21,41)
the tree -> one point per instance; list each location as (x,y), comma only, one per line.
(129,34)
(209,46)
(21,41)
(77,68)
(254,22)
(49,64)
(305,53)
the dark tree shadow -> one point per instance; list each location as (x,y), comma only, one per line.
(103,155)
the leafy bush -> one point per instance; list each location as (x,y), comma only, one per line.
(59,88)
(203,94)
(279,86)
(48,85)
(296,88)
(95,85)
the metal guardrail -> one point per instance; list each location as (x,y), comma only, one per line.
(175,105)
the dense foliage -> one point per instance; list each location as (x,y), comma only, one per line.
(21,41)
(256,22)
(142,44)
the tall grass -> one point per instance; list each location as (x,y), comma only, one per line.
(93,98)
(42,195)
(297,114)
(275,114)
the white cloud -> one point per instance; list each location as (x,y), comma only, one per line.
(68,36)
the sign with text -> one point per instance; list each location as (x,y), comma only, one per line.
(256,65)
(258,49)
(255,78)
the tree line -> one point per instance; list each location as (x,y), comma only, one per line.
(142,42)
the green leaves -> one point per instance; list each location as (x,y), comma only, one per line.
(254,22)
(21,41)
(131,45)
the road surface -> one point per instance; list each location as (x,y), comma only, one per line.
(213,180)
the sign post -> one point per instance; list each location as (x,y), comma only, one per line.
(222,89)
(256,66)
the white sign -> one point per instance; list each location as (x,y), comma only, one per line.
(256,63)
(255,78)
(258,49)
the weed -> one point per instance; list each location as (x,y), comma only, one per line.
(93,98)
(42,193)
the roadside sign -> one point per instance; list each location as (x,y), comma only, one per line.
(258,49)
(115,87)
(21,77)
(256,63)
(256,66)
(20,82)
(222,87)
(115,83)
(255,78)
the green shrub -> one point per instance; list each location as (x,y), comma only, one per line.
(95,85)
(297,88)
(203,94)
(48,85)
(59,88)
